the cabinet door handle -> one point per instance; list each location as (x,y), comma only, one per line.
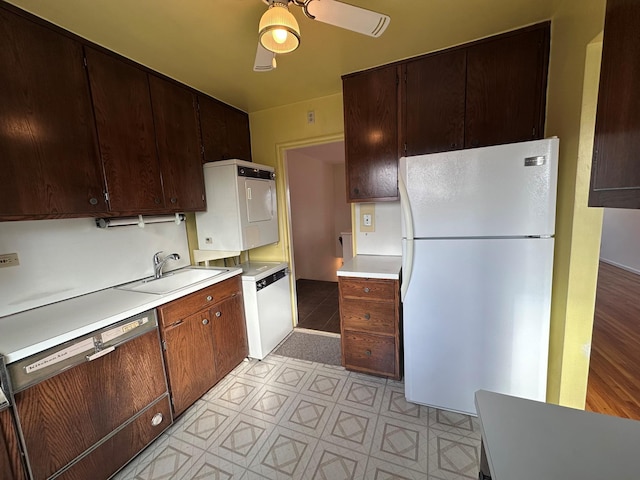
(174,200)
(209,298)
(157,419)
(366,290)
(367,353)
(218,314)
(101,353)
(205,321)
(93,201)
(367,316)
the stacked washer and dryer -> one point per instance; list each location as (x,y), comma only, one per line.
(242,214)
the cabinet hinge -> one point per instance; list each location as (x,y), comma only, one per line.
(202,149)
(106,197)
(533,132)
(397,80)
(164,345)
(84,61)
(405,148)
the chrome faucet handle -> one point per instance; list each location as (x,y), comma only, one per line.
(156,258)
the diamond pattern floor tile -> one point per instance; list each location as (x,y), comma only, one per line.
(286,419)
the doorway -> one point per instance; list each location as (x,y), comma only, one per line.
(319,215)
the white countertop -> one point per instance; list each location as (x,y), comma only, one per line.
(33,331)
(528,440)
(372,266)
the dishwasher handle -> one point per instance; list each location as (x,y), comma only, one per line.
(100,353)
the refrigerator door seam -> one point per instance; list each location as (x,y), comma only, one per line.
(408,220)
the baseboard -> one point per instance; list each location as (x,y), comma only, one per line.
(316,332)
(619,265)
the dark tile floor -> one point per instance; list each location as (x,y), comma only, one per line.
(318,305)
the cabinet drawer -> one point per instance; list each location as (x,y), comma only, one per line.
(113,454)
(369,353)
(372,289)
(188,305)
(371,317)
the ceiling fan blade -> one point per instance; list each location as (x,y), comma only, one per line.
(265,60)
(349,17)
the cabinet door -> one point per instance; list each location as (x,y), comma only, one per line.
(615,173)
(506,88)
(177,133)
(225,131)
(10,459)
(124,120)
(230,334)
(65,415)
(49,161)
(189,359)
(371,134)
(434,103)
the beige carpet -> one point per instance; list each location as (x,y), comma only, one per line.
(313,347)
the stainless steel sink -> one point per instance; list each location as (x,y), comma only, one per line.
(172,281)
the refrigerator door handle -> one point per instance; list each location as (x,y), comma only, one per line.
(407,259)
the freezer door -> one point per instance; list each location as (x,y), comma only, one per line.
(476,316)
(504,190)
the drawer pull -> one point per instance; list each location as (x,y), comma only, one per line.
(366,290)
(205,321)
(209,298)
(218,314)
(157,419)
(367,316)
(367,353)
(99,354)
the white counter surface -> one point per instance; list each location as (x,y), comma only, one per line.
(372,266)
(528,440)
(33,331)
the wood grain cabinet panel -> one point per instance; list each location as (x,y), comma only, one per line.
(434,100)
(65,415)
(189,357)
(506,88)
(177,133)
(111,455)
(230,334)
(371,134)
(49,160)
(615,172)
(11,465)
(204,337)
(370,326)
(124,119)
(225,131)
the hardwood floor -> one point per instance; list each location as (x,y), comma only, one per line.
(318,307)
(614,372)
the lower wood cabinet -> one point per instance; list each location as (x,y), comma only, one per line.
(370,326)
(204,337)
(11,466)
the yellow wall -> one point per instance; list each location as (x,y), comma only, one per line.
(277,129)
(575,24)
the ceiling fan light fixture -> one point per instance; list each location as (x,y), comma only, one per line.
(279,31)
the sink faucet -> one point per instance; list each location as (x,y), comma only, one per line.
(158,264)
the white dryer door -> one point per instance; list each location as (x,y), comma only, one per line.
(259,194)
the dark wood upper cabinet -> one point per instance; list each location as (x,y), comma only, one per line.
(434,99)
(371,134)
(506,88)
(124,120)
(225,131)
(49,162)
(615,172)
(177,131)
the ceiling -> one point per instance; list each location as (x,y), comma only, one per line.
(211,44)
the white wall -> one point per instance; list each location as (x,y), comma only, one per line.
(341,209)
(317,211)
(621,238)
(60,259)
(387,238)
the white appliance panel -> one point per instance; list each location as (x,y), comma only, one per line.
(260,197)
(477,317)
(481,192)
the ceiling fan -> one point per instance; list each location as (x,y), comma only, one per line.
(279,32)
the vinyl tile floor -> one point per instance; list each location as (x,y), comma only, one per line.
(318,307)
(283,418)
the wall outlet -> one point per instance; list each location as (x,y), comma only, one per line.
(9,260)
(367,217)
(311,117)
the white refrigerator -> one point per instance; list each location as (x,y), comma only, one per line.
(478,228)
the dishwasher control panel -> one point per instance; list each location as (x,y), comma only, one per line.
(268,280)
